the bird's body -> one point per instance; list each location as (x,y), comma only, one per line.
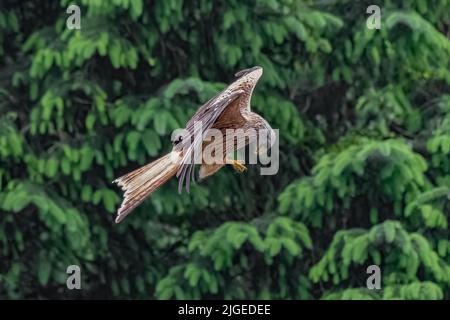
(229,110)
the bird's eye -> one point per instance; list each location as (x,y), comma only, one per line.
(178,139)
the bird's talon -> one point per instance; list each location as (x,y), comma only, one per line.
(238,165)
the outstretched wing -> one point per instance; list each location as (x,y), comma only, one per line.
(207,114)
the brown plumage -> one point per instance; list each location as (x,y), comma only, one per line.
(230,109)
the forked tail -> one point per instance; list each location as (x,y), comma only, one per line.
(140,183)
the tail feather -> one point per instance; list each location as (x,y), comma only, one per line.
(140,183)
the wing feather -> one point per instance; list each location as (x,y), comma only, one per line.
(206,115)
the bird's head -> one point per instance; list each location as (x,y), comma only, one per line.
(266,137)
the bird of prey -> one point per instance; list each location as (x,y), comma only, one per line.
(230,109)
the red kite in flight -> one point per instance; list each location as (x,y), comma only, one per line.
(230,109)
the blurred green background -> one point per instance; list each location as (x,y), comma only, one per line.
(364,120)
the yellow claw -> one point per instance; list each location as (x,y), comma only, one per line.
(238,165)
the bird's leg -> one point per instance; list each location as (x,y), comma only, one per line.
(238,165)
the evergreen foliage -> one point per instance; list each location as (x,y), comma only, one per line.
(364,120)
